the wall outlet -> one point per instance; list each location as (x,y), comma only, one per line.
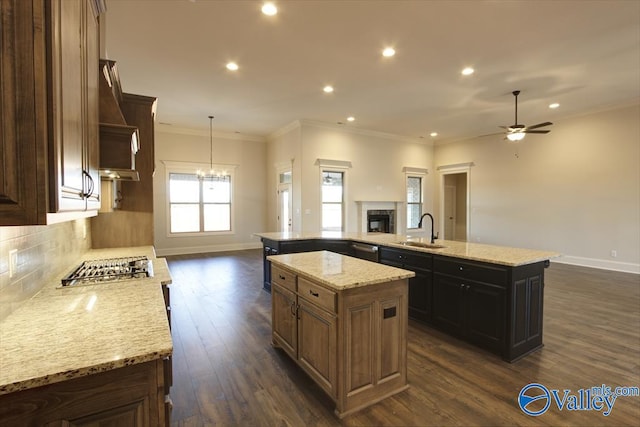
(614,253)
(13,262)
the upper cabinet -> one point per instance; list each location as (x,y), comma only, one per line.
(49,132)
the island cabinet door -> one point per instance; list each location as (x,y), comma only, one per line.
(486,315)
(420,291)
(448,304)
(317,337)
(284,321)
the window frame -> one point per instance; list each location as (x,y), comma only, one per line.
(420,174)
(190,169)
(343,213)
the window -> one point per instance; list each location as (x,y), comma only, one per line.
(414,201)
(199,205)
(332,200)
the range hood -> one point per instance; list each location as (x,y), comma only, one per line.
(119,142)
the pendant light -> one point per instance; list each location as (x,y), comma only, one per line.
(202,174)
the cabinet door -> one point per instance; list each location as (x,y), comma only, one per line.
(23,137)
(317,336)
(420,295)
(283,318)
(133,415)
(486,316)
(92,140)
(73,92)
(448,303)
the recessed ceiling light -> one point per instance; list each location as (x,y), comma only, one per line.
(554,105)
(269,9)
(468,71)
(433,134)
(232,66)
(328,89)
(388,52)
(350,118)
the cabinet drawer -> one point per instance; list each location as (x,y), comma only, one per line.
(284,278)
(471,270)
(317,294)
(407,257)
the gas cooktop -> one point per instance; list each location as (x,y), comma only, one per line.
(109,270)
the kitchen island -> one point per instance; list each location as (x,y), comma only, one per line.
(491,296)
(344,322)
(90,353)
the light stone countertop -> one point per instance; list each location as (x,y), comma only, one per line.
(61,334)
(502,255)
(338,271)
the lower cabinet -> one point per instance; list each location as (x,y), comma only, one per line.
(420,286)
(474,311)
(352,342)
(495,307)
(129,396)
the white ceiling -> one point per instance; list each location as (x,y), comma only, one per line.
(583,54)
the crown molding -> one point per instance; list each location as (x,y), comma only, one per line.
(284,130)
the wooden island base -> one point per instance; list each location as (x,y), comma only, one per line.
(351,339)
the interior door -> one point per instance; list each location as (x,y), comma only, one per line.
(285,223)
(449,212)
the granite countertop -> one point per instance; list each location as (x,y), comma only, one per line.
(61,334)
(337,271)
(502,255)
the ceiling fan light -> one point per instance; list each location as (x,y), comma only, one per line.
(515,136)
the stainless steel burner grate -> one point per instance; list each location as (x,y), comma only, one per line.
(109,270)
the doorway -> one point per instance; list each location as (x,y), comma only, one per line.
(454,205)
(285,205)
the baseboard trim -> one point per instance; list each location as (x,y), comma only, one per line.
(626,267)
(207,249)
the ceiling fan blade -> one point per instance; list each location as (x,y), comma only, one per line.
(536,131)
(539,125)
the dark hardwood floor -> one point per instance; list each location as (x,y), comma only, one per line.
(227,373)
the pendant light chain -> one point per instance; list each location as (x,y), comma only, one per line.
(211,145)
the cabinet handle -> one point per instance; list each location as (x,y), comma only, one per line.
(460,268)
(315,294)
(293,309)
(462,285)
(281,277)
(90,185)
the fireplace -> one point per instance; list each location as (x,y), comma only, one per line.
(381,221)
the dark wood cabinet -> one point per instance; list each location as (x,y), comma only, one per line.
(72,114)
(471,310)
(128,396)
(49,110)
(23,110)
(420,286)
(493,306)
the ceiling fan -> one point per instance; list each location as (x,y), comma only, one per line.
(517,132)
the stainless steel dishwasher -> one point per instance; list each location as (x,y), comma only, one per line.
(365,251)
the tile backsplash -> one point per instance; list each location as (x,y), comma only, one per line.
(42,253)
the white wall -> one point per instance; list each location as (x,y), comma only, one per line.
(284,149)
(250,190)
(575,190)
(376,173)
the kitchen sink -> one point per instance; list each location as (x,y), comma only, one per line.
(422,245)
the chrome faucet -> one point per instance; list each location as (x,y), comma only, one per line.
(433,237)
